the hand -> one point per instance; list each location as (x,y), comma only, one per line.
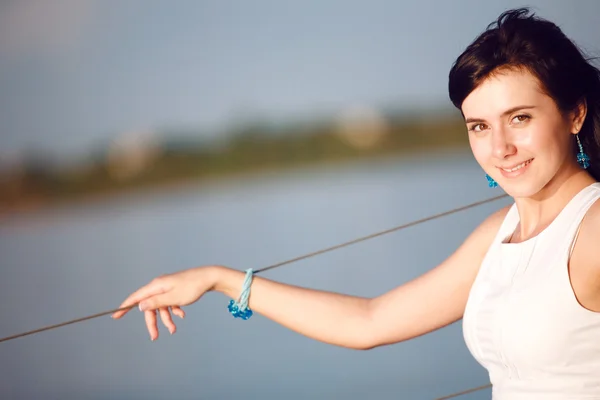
(169,293)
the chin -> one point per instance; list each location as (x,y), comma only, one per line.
(523,189)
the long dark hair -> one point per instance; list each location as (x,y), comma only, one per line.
(519,39)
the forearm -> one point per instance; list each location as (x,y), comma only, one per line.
(325,316)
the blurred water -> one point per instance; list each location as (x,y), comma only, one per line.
(64,264)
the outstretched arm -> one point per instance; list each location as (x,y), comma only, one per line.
(431,301)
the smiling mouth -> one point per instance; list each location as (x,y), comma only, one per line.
(517,167)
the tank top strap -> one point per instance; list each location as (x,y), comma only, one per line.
(565,230)
(509,224)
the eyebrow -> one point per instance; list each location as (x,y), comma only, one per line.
(509,111)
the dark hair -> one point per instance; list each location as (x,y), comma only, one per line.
(521,40)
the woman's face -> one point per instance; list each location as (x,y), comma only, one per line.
(517,133)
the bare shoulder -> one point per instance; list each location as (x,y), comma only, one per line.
(593,216)
(587,240)
(492,223)
(465,261)
(584,265)
(463,265)
(437,297)
(481,238)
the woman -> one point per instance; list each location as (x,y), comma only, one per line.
(527,280)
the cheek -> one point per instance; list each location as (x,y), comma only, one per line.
(480,149)
(548,139)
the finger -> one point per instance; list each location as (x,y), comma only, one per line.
(150,317)
(178,311)
(121,312)
(157,301)
(153,288)
(165,316)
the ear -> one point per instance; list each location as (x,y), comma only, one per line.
(577,116)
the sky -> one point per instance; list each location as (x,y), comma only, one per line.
(76,73)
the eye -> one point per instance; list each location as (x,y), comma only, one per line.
(519,119)
(477,127)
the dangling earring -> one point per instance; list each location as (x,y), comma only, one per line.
(582,158)
(491,182)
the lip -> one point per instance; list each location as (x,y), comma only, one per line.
(518,172)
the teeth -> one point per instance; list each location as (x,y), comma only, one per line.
(517,167)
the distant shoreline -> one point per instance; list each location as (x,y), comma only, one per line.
(185,183)
(141,164)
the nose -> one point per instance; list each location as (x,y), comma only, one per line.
(502,145)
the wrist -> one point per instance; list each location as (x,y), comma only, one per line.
(218,277)
(236,285)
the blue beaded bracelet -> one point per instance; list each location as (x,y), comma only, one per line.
(240,308)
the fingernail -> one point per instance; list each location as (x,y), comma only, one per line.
(141,307)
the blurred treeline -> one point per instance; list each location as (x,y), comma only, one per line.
(142,160)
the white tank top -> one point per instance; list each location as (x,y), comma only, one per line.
(523,322)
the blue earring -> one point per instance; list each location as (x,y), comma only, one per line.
(491,182)
(582,158)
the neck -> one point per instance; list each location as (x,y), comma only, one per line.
(538,211)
